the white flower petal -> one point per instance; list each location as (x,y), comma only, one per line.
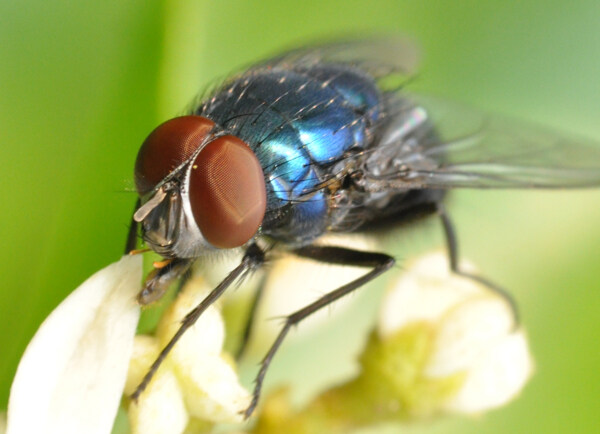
(469,331)
(423,292)
(473,336)
(205,337)
(211,389)
(210,385)
(294,282)
(71,377)
(214,269)
(497,378)
(160,409)
(239,297)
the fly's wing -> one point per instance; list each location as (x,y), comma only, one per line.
(471,149)
(468,148)
(380,57)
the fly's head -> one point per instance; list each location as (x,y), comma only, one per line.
(201,189)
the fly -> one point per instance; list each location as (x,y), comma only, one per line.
(320,140)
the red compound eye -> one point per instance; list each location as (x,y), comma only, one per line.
(169,145)
(227,192)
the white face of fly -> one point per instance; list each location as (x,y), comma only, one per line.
(168,224)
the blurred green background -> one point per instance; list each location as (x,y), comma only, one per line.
(83,83)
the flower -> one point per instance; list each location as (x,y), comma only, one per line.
(443,344)
(470,331)
(197,380)
(72,374)
(293,282)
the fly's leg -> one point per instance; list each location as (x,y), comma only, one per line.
(250,320)
(452,245)
(379,262)
(132,234)
(160,279)
(164,274)
(252,260)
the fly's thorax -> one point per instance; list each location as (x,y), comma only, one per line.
(299,122)
(301,218)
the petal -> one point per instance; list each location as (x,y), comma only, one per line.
(468,332)
(71,376)
(211,389)
(474,334)
(293,282)
(209,383)
(497,378)
(237,301)
(205,337)
(423,293)
(214,269)
(160,409)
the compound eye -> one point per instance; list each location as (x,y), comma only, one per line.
(227,192)
(167,147)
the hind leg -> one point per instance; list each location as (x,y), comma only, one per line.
(452,246)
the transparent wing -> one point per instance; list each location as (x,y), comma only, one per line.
(380,57)
(471,149)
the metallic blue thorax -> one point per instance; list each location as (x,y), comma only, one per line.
(299,123)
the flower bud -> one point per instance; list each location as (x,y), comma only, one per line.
(472,334)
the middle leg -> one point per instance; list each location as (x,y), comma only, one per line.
(379,262)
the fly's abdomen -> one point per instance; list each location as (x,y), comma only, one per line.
(299,123)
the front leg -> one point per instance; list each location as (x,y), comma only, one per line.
(253,259)
(379,262)
(160,279)
(164,274)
